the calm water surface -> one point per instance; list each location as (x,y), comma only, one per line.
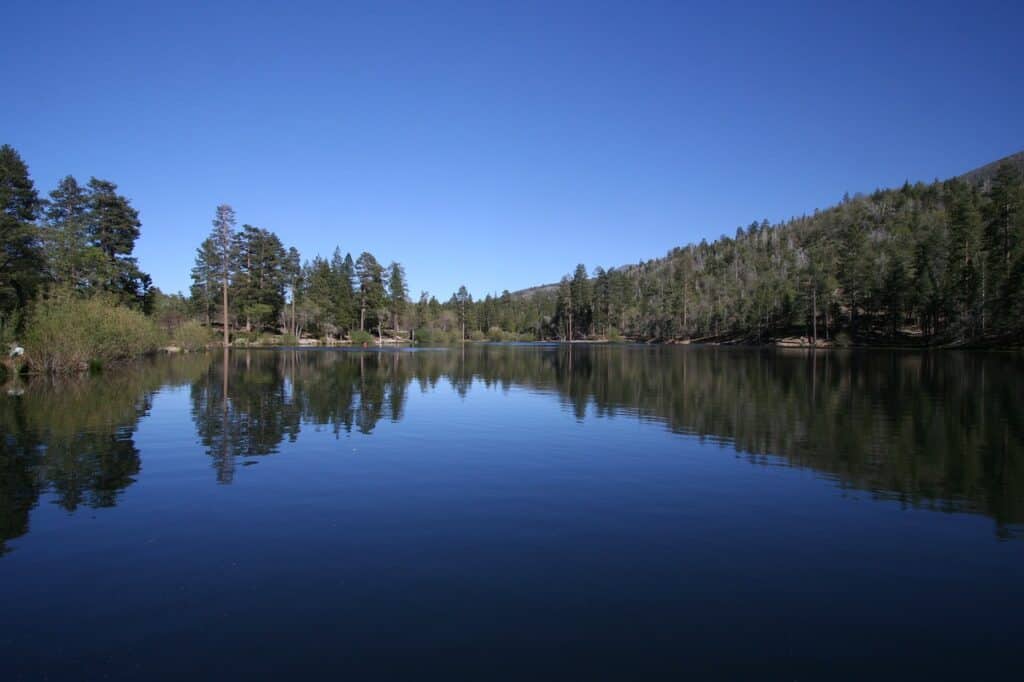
(517,511)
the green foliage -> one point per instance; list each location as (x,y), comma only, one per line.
(258,276)
(289,340)
(941,262)
(21,258)
(192,336)
(398,294)
(10,326)
(372,296)
(67,333)
(112,226)
(360,337)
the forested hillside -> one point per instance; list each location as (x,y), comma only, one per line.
(940,262)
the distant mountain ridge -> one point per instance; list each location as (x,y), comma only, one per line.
(978,176)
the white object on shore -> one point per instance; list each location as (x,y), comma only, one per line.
(17,351)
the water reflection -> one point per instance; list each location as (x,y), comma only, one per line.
(941,431)
(74,437)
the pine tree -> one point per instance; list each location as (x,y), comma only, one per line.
(964,283)
(71,258)
(370,275)
(113,226)
(582,300)
(398,294)
(223,239)
(343,270)
(21,258)
(1003,241)
(293,277)
(462,301)
(207,273)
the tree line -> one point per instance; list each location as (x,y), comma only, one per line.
(248,280)
(925,263)
(80,239)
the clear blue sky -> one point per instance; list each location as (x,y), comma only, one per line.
(498,144)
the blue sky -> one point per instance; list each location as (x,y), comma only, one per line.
(498,144)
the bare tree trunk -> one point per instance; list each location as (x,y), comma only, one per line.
(814,315)
(224,296)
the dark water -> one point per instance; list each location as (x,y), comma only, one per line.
(518,512)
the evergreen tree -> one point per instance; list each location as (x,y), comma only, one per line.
(223,240)
(72,260)
(293,278)
(372,297)
(398,294)
(343,270)
(1004,241)
(258,282)
(462,301)
(582,302)
(21,258)
(207,275)
(112,227)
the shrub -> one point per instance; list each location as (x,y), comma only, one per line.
(477,335)
(192,336)
(614,336)
(9,329)
(425,336)
(67,334)
(241,338)
(359,337)
(289,340)
(843,340)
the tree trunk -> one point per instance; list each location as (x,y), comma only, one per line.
(224,296)
(814,315)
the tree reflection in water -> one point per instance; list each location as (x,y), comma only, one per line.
(937,430)
(74,437)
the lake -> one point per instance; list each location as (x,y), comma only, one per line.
(516,511)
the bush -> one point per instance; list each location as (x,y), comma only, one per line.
(67,334)
(241,338)
(289,340)
(359,337)
(9,329)
(614,336)
(192,336)
(477,335)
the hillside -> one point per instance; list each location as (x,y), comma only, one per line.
(986,173)
(978,176)
(922,264)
